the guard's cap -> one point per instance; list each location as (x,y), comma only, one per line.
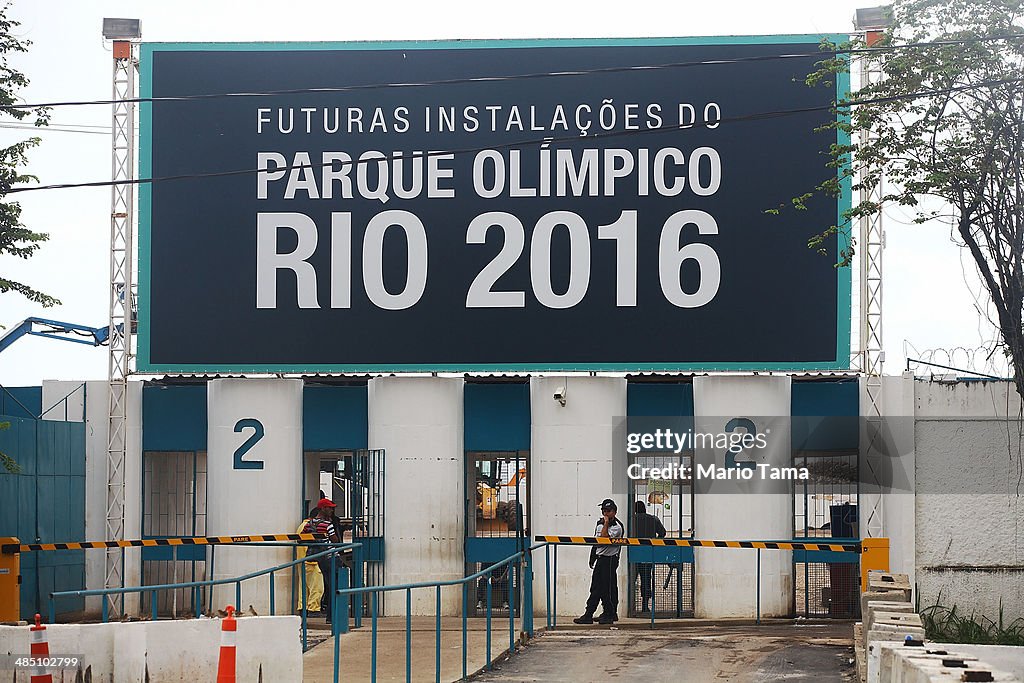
(608,504)
(326,503)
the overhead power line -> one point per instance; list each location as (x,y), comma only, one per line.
(824,54)
(540,141)
(65,128)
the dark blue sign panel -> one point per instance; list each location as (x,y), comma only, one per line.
(548,205)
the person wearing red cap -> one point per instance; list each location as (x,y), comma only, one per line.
(322,524)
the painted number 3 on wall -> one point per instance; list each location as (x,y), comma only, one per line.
(257,433)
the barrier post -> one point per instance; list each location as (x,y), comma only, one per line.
(226,661)
(357,582)
(528,595)
(10,581)
(490,575)
(408,635)
(437,636)
(547,585)
(339,605)
(465,590)
(759,586)
(874,555)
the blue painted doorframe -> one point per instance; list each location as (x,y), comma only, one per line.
(45,503)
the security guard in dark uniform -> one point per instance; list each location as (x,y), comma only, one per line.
(604,560)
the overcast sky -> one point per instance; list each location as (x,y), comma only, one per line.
(929,301)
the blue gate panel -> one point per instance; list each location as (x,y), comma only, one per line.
(490,549)
(825,415)
(21,401)
(46,504)
(826,398)
(659,555)
(174,418)
(497,417)
(825,556)
(334,417)
(659,399)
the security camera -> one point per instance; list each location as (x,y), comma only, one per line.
(559,396)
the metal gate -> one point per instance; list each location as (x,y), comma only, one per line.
(173,505)
(661,578)
(44,502)
(366,507)
(826,584)
(497,523)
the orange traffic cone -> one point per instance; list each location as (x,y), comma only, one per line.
(40,649)
(226,664)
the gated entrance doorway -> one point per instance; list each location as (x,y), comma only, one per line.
(173,505)
(354,481)
(661,578)
(497,523)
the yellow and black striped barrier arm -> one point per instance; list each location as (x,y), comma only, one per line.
(694,543)
(11,548)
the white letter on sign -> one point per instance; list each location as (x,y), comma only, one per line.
(268,261)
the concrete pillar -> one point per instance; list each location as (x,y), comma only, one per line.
(572,471)
(748,510)
(418,423)
(254,490)
(892,455)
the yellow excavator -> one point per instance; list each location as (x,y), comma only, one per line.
(487,496)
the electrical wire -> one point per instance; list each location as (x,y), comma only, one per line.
(530,142)
(515,77)
(67,128)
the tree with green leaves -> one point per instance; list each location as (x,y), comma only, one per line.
(15,238)
(946,132)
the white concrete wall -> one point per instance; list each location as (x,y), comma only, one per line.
(168,651)
(897,513)
(970,536)
(254,501)
(725,579)
(63,401)
(571,466)
(418,421)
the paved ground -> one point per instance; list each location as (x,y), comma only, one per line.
(355,647)
(681,651)
(699,653)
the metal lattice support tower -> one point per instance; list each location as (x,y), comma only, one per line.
(121,263)
(872,242)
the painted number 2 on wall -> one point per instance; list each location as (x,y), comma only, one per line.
(257,433)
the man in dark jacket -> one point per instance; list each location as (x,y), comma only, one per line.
(646,526)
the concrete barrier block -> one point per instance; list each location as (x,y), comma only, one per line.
(898,619)
(1006,658)
(878,580)
(887,632)
(921,667)
(880,657)
(886,606)
(871,595)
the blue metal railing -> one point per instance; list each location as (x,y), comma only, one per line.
(339,572)
(521,561)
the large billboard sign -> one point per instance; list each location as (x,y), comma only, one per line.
(472,206)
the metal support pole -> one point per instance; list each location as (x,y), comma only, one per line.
(408,635)
(759,586)
(871,247)
(120,306)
